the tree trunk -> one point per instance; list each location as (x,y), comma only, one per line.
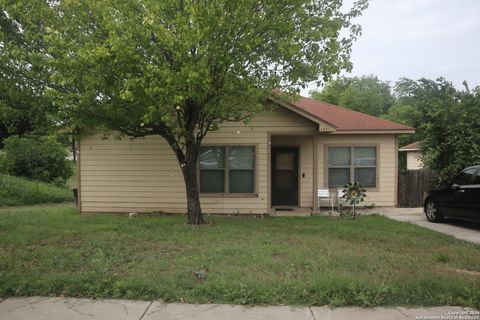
(189,170)
(74,150)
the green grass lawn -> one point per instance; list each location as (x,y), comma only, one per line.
(51,250)
(17,191)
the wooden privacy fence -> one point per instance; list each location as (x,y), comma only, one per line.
(412,184)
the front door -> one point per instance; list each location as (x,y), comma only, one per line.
(284,176)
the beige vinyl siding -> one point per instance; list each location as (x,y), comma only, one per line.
(143,175)
(414,161)
(305,144)
(384,193)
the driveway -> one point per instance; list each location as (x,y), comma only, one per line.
(468,231)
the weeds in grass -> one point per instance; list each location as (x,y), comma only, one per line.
(346,214)
(16,191)
(442,258)
(368,261)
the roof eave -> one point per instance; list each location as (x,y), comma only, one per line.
(330,128)
(374,131)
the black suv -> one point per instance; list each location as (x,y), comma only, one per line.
(458,199)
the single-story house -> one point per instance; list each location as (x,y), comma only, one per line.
(414,160)
(277,161)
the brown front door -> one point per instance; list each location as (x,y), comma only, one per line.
(284,176)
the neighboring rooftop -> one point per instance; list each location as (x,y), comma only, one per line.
(344,119)
(410,147)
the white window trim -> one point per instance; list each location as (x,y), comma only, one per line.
(352,166)
(227,171)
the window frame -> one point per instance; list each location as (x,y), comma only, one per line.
(226,182)
(477,174)
(352,166)
(472,179)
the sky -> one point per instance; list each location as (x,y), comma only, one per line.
(419,38)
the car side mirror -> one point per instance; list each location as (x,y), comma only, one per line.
(454,186)
(445,183)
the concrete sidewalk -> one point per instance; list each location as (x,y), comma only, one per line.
(462,230)
(39,308)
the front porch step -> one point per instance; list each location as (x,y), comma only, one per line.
(292,212)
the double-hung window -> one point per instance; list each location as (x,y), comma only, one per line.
(352,164)
(227,169)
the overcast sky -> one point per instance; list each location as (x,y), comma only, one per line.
(419,38)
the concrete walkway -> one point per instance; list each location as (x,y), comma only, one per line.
(79,309)
(469,231)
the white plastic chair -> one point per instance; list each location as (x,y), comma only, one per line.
(324,195)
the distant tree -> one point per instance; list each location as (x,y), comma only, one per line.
(414,99)
(451,134)
(447,122)
(179,68)
(24,109)
(366,94)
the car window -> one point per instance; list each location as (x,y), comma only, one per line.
(465,177)
(477,178)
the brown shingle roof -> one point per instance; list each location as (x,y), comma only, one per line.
(345,119)
(410,147)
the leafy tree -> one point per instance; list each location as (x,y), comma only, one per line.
(24,109)
(414,100)
(179,68)
(447,122)
(366,94)
(451,134)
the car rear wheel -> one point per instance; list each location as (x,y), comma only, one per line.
(432,211)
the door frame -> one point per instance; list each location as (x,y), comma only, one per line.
(270,172)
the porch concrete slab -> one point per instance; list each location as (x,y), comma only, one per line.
(180,311)
(469,231)
(40,308)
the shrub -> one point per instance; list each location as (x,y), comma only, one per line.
(43,159)
(16,191)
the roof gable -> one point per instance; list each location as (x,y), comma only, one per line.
(341,119)
(414,146)
(323,125)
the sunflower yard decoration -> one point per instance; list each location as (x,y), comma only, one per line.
(354,193)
